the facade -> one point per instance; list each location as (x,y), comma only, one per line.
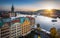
(5,15)
(4,29)
(12,14)
(32,20)
(25,26)
(15,28)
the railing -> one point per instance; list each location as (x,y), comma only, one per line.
(47,32)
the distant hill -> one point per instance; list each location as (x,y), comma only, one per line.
(49,13)
(42,11)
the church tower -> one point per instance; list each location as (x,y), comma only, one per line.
(12,9)
(12,14)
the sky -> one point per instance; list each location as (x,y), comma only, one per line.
(29,5)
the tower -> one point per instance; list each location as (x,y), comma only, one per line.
(12,8)
(12,14)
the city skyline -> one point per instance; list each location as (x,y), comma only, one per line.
(29,5)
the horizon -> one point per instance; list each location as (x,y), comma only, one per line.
(29,5)
(31,10)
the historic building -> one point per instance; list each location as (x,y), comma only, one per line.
(15,28)
(12,13)
(4,29)
(26,26)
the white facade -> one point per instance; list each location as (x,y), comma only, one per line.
(15,30)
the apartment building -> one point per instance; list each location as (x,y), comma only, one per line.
(4,28)
(32,20)
(15,28)
(25,25)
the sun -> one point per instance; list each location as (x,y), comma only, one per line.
(49,8)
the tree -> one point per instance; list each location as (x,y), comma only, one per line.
(38,27)
(53,32)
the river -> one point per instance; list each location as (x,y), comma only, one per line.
(46,22)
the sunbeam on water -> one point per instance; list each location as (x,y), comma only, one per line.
(46,22)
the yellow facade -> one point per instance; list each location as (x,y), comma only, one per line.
(25,27)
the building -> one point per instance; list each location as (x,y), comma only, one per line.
(15,28)
(10,28)
(5,15)
(32,20)
(20,27)
(26,26)
(12,13)
(4,29)
(12,8)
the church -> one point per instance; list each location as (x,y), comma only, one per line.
(12,13)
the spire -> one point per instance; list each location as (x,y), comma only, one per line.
(12,8)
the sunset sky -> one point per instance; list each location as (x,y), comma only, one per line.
(30,5)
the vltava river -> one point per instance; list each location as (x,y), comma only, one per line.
(46,22)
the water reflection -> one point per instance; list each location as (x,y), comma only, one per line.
(46,23)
